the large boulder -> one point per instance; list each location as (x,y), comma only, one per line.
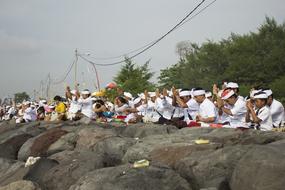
(88,137)
(72,165)
(211,168)
(113,149)
(39,145)
(127,178)
(21,185)
(9,149)
(65,142)
(261,168)
(11,170)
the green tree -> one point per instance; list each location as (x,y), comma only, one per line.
(253,59)
(21,96)
(133,78)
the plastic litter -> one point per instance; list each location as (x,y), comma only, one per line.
(202,141)
(31,161)
(141,163)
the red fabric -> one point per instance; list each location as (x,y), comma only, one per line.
(194,124)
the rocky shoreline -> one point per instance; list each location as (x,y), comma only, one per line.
(84,155)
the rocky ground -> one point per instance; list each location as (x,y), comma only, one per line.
(85,156)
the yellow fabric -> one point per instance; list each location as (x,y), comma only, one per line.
(60,108)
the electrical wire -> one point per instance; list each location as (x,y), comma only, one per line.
(151,44)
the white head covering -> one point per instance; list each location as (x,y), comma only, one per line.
(137,100)
(232,85)
(261,95)
(129,95)
(227,94)
(85,92)
(185,93)
(73,92)
(198,92)
(208,94)
(268,92)
(152,94)
(254,92)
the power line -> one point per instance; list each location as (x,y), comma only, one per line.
(66,75)
(151,44)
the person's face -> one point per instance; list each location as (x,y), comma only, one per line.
(153,99)
(200,98)
(84,96)
(231,100)
(269,100)
(185,99)
(259,103)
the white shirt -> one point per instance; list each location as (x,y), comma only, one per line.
(86,107)
(193,108)
(238,110)
(164,107)
(207,109)
(30,114)
(74,106)
(120,110)
(265,115)
(277,112)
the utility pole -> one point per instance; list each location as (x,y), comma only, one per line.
(48,86)
(75,68)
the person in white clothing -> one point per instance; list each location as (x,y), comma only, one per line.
(30,114)
(230,104)
(276,109)
(207,111)
(74,106)
(261,117)
(86,103)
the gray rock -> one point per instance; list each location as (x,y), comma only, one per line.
(262,168)
(127,178)
(72,165)
(38,146)
(9,149)
(65,142)
(211,168)
(21,185)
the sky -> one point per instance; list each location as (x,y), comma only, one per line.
(38,38)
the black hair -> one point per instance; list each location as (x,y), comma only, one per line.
(99,102)
(123,100)
(185,89)
(198,88)
(57,98)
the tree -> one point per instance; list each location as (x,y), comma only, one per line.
(253,59)
(133,78)
(21,96)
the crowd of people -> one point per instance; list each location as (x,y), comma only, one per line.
(197,107)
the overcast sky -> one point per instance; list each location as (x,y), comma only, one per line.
(38,37)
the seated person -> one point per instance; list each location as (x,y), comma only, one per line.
(207,111)
(261,117)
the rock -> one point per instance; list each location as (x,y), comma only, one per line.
(72,165)
(65,142)
(126,178)
(211,168)
(11,170)
(21,185)
(39,145)
(9,149)
(113,149)
(143,147)
(141,130)
(170,155)
(261,168)
(88,137)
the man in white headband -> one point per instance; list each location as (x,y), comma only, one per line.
(234,107)
(261,117)
(86,104)
(184,100)
(74,107)
(235,87)
(136,114)
(207,111)
(276,109)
